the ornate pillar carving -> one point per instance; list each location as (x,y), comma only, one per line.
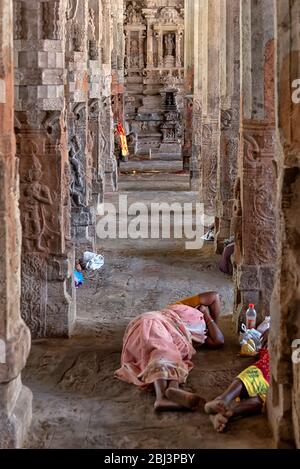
(229,118)
(149,19)
(48,296)
(210,104)
(15,399)
(255,224)
(159,36)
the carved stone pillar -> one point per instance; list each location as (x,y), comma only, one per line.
(159,37)
(198,29)
(149,41)
(210,104)
(81,75)
(127,48)
(48,296)
(15,399)
(255,252)
(179,38)
(283,398)
(141,49)
(229,118)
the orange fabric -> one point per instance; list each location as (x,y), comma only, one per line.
(123,139)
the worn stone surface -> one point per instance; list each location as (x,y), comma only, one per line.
(78,402)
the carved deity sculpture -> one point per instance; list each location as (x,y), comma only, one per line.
(36,196)
(91,25)
(134,53)
(169,44)
(133,13)
(77,37)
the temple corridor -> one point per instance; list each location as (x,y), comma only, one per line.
(159,103)
(78,403)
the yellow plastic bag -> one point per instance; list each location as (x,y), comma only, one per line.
(248,349)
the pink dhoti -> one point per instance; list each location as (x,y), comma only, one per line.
(158,345)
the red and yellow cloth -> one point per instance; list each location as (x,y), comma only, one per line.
(123,139)
(256,378)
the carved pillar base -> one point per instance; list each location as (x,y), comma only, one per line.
(15,413)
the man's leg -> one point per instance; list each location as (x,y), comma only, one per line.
(250,406)
(183,398)
(221,403)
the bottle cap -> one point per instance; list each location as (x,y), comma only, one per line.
(251,305)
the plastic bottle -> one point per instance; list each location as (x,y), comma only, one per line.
(251,317)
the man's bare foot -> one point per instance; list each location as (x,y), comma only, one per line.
(185,399)
(164,405)
(218,406)
(220,421)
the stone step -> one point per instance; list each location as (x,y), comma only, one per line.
(150,185)
(156,156)
(152,165)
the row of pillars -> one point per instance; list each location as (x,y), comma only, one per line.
(56,163)
(242,63)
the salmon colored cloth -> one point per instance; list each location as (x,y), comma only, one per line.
(158,345)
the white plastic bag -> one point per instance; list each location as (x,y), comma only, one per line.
(93,261)
(247,334)
(265,325)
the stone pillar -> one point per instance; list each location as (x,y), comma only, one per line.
(80,29)
(159,36)
(254,211)
(210,104)
(199,31)
(141,49)
(283,399)
(15,399)
(149,19)
(48,296)
(107,122)
(229,118)
(189,82)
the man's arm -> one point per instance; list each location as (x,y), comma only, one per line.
(215,338)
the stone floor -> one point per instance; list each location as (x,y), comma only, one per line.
(77,401)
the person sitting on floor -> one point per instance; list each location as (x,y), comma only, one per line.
(246,395)
(158,347)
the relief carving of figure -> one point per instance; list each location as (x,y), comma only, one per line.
(169,44)
(36,196)
(77,174)
(77,37)
(134,52)
(91,25)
